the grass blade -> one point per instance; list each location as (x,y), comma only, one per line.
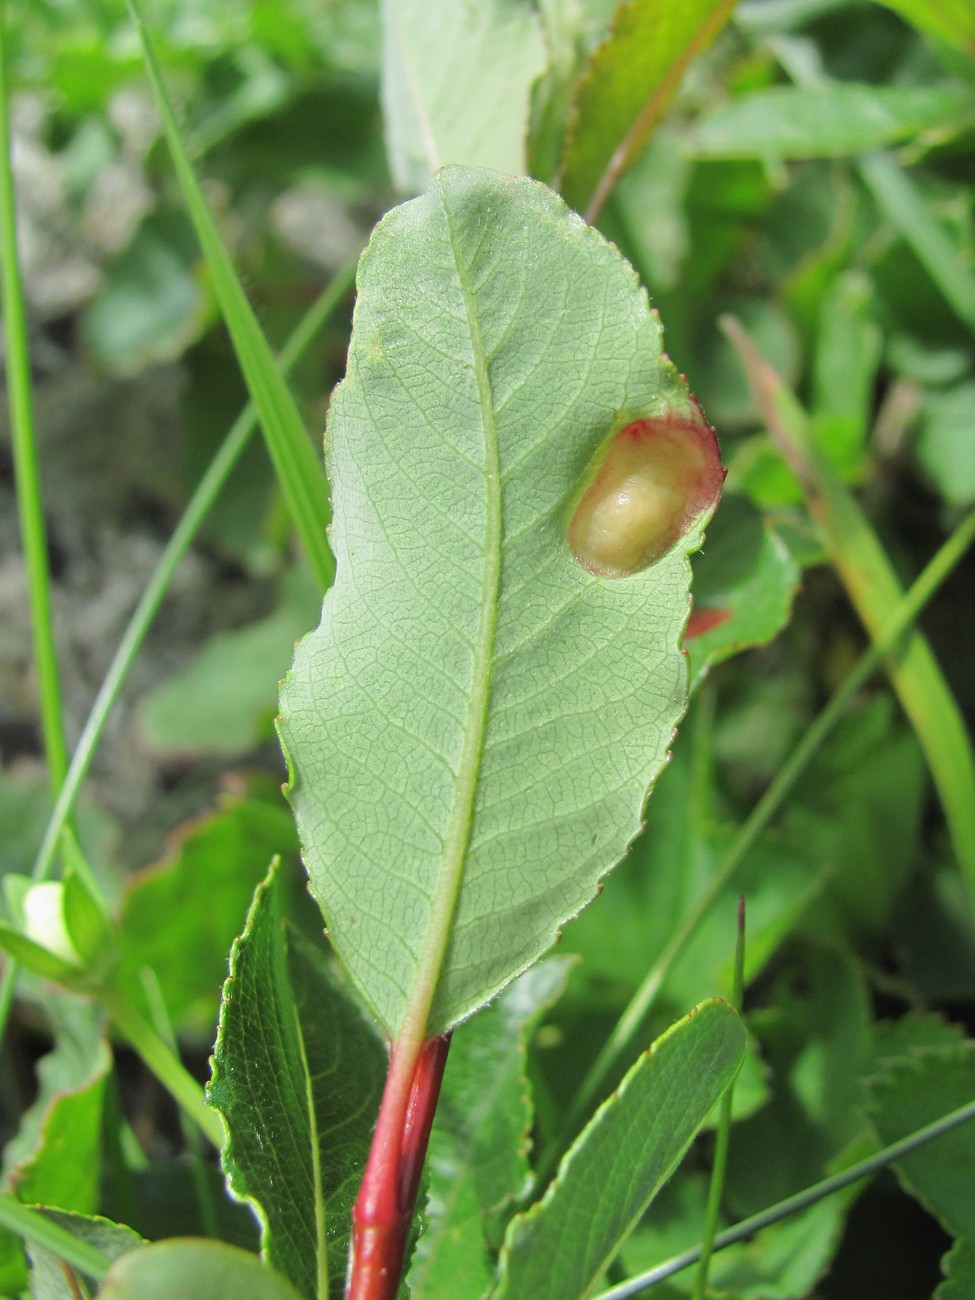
(297,465)
(874,589)
(24,445)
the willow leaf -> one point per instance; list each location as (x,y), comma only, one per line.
(473,729)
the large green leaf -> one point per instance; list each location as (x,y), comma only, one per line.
(474,726)
(457,83)
(297,1077)
(624,1156)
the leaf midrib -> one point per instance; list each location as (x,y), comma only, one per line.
(321,1237)
(415,1027)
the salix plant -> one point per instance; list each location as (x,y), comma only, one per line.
(516,478)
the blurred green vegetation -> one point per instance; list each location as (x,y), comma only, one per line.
(813,178)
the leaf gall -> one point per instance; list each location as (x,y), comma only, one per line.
(646,489)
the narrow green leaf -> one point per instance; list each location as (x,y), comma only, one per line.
(628,82)
(562,1245)
(88,925)
(296,463)
(831,121)
(478,1154)
(205,1270)
(23,445)
(722,1140)
(473,729)
(297,1075)
(35,957)
(848,353)
(457,82)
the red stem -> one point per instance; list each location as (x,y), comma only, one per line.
(384,1207)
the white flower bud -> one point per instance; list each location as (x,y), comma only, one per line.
(44,920)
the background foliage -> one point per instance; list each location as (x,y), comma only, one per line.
(813,179)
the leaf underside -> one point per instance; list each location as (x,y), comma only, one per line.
(473,728)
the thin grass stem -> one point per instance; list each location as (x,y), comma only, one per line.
(165,1065)
(723,1138)
(163,1026)
(793,1204)
(24,446)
